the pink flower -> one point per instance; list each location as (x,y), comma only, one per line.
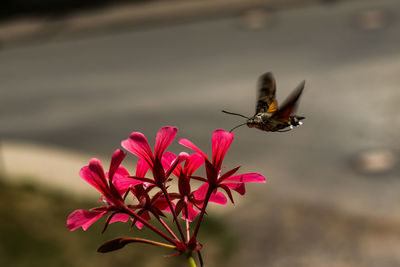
(186,199)
(147,204)
(137,144)
(221,141)
(103,182)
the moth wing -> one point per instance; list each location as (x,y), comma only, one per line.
(290,105)
(273,107)
(266,101)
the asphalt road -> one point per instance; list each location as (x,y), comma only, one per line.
(89,92)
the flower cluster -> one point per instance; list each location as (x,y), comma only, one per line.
(139,197)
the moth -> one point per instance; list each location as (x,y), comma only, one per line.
(268,116)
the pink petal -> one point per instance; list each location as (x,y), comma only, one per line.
(181,157)
(120,175)
(200,193)
(167,160)
(194,161)
(141,168)
(145,216)
(137,144)
(117,157)
(218,198)
(94,179)
(119,217)
(84,218)
(252,177)
(121,172)
(192,213)
(221,141)
(164,205)
(122,184)
(96,167)
(164,138)
(192,146)
(238,187)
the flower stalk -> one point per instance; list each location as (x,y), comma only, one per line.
(191,261)
(203,211)
(164,190)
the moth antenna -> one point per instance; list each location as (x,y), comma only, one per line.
(237,114)
(237,126)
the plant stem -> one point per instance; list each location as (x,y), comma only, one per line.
(164,190)
(167,228)
(137,217)
(187,220)
(191,261)
(203,210)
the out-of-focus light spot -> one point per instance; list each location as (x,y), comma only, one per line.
(372,19)
(375,161)
(256,18)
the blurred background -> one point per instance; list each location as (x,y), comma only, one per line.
(77,77)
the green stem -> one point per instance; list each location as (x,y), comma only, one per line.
(191,261)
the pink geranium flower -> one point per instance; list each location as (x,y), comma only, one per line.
(221,141)
(103,182)
(137,144)
(186,200)
(147,204)
(152,197)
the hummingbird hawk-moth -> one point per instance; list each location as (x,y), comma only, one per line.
(268,116)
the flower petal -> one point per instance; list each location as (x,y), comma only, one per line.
(238,187)
(221,141)
(194,161)
(192,146)
(121,177)
(192,213)
(181,157)
(145,216)
(137,144)
(84,218)
(218,198)
(167,160)
(91,177)
(121,172)
(164,138)
(117,157)
(119,217)
(200,193)
(252,177)
(141,168)
(162,204)
(228,174)
(122,184)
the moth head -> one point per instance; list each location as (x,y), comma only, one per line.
(296,120)
(250,123)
